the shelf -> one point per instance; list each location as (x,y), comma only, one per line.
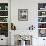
(41,28)
(3,22)
(41,10)
(42,16)
(3,10)
(41,22)
(3,16)
(4,19)
(42,19)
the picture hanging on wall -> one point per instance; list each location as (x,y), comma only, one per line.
(23,14)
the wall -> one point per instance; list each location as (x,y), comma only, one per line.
(32,6)
(32,13)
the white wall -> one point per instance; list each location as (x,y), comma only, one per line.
(32,6)
(32,13)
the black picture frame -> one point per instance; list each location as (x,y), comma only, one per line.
(22,14)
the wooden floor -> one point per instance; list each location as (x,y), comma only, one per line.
(3,45)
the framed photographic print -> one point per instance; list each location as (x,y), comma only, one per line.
(23,14)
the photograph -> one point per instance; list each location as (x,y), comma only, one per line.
(22,14)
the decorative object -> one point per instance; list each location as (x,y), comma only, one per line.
(41,6)
(3,13)
(31,27)
(6,7)
(4,29)
(0,7)
(3,6)
(40,25)
(13,27)
(23,40)
(42,19)
(23,14)
(43,13)
(3,19)
(42,32)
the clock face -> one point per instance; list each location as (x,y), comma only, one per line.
(42,31)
